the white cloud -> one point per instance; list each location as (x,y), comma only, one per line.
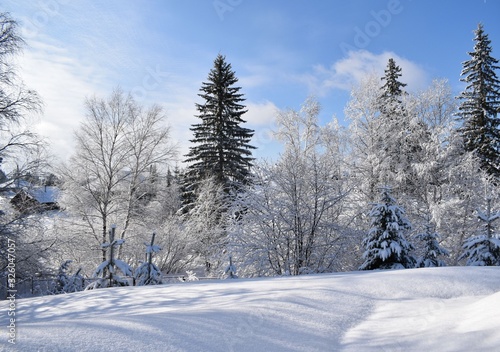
(63,84)
(260,114)
(348,71)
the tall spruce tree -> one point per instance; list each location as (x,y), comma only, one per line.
(221,147)
(480,105)
(393,138)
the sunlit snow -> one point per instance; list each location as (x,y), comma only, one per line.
(431,309)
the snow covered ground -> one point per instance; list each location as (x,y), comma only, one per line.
(438,309)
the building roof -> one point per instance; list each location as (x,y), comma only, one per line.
(45,194)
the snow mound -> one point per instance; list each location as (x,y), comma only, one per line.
(431,309)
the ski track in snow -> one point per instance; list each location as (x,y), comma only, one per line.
(435,309)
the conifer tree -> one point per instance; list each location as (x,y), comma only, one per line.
(395,146)
(480,104)
(148,273)
(386,246)
(432,250)
(221,149)
(106,273)
(484,249)
(390,100)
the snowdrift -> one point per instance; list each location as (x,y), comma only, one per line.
(434,309)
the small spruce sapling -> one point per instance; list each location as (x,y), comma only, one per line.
(230,272)
(484,249)
(433,249)
(148,273)
(106,271)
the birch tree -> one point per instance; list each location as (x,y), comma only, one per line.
(107,178)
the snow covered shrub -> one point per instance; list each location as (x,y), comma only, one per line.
(67,283)
(191,276)
(386,247)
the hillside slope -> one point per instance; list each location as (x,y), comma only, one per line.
(439,309)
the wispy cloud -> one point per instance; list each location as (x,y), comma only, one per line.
(348,71)
(63,83)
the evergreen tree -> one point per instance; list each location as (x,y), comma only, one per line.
(480,104)
(106,273)
(148,273)
(432,249)
(386,247)
(221,145)
(230,272)
(395,144)
(484,249)
(392,91)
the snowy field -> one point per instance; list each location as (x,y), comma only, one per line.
(438,309)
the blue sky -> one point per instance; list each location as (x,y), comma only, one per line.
(282,51)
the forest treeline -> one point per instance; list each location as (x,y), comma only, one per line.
(410,181)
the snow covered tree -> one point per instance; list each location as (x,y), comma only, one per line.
(66,283)
(366,160)
(396,142)
(390,101)
(291,221)
(205,223)
(221,147)
(106,273)
(484,249)
(432,249)
(386,136)
(148,273)
(108,178)
(480,104)
(386,246)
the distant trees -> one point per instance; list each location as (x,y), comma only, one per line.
(480,105)
(221,146)
(304,213)
(436,181)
